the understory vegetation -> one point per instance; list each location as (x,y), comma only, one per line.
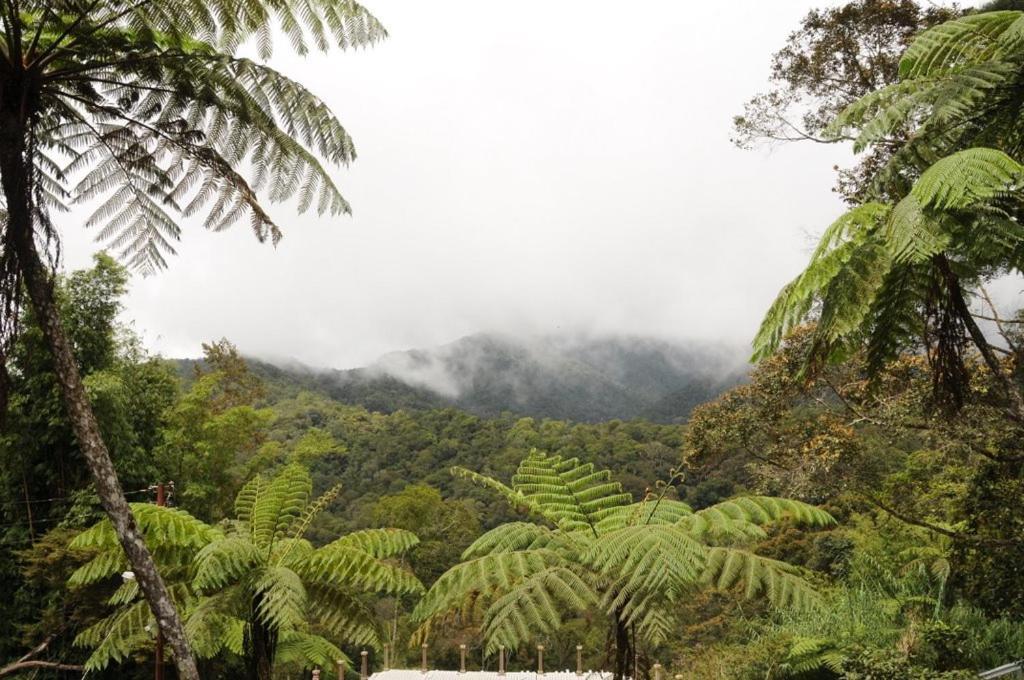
(852,510)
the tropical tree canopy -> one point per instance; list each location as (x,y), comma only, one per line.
(899,275)
(589,546)
(144,111)
(253,586)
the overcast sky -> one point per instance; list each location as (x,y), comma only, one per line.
(537,166)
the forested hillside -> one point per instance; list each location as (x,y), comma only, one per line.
(850,510)
(580,379)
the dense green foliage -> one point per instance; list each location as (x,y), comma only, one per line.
(591,548)
(882,415)
(254,587)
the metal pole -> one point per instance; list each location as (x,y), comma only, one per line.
(579,659)
(540,659)
(462,658)
(423,658)
(501,660)
(158,674)
(364,671)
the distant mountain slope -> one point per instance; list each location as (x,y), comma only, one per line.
(589,380)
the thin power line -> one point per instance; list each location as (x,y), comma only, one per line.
(33,501)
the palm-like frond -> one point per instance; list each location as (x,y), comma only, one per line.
(569,493)
(728,568)
(951,126)
(845,254)
(592,548)
(966,178)
(160,119)
(536,605)
(255,571)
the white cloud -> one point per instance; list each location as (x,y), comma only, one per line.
(528,166)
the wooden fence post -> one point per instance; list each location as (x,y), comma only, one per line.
(423,658)
(540,659)
(501,660)
(579,659)
(462,658)
(341,669)
(657,671)
(364,671)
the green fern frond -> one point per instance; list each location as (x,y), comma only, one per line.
(569,493)
(344,566)
(640,560)
(281,598)
(248,497)
(224,562)
(807,655)
(281,505)
(491,573)
(657,511)
(762,510)
(537,605)
(728,568)
(379,543)
(116,638)
(966,178)
(305,649)
(955,43)
(840,255)
(159,525)
(345,616)
(511,537)
(299,528)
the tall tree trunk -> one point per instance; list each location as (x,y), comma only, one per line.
(623,650)
(262,642)
(14,174)
(1013,394)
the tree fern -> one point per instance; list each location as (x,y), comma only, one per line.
(951,126)
(591,549)
(255,572)
(966,178)
(146,112)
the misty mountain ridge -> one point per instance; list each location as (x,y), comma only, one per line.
(588,379)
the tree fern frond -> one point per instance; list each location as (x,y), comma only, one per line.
(537,605)
(281,598)
(115,638)
(728,568)
(306,649)
(344,566)
(966,178)
(763,510)
(839,255)
(159,525)
(658,511)
(510,537)
(224,561)
(281,505)
(379,543)
(949,45)
(493,572)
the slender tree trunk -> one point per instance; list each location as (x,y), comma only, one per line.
(623,650)
(978,338)
(260,657)
(14,174)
